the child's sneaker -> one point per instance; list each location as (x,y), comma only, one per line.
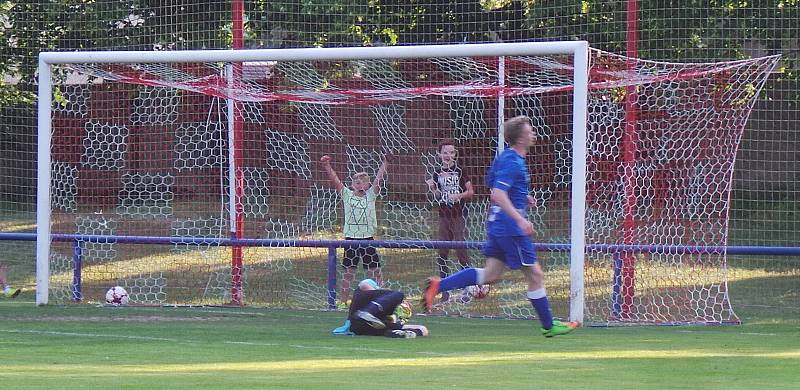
(559,328)
(401,334)
(11,292)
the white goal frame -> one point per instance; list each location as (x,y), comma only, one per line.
(578,49)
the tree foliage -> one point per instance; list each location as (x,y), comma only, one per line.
(385,22)
(693,30)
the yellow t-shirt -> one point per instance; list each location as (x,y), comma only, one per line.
(360,218)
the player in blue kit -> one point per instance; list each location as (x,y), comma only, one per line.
(508,243)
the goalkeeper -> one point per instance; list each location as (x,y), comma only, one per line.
(379,312)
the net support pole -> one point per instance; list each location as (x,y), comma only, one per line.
(43,184)
(235,131)
(578,203)
(77,266)
(332,277)
(501,104)
(234,199)
(629,141)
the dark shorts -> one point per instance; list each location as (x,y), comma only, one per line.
(361,328)
(367,255)
(452,228)
(515,251)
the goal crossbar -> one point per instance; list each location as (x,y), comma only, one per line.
(338,53)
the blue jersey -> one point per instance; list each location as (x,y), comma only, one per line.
(509,173)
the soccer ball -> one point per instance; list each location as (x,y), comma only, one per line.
(117,296)
(478,292)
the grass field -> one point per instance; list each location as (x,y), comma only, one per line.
(88,347)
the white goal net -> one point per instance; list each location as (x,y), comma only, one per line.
(184,151)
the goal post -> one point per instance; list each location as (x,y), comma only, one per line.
(44,134)
(225,145)
(578,200)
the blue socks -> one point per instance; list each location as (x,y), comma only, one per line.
(460,279)
(540,303)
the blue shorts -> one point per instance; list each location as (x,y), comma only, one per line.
(515,251)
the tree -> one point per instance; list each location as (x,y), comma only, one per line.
(34,26)
(693,30)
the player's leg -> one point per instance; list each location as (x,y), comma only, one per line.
(442,262)
(458,232)
(378,309)
(362,328)
(469,276)
(490,273)
(536,294)
(443,235)
(385,304)
(349,264)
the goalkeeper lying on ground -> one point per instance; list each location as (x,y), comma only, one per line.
(378,312)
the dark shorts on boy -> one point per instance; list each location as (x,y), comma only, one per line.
(367,255)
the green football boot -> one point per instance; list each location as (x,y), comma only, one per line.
(559,328)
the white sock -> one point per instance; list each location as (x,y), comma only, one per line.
(479,278)
(537,294)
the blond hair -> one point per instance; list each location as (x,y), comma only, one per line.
(513,128)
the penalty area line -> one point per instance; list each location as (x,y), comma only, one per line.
(334,348)
(248,343)
(90,335)
(716,332)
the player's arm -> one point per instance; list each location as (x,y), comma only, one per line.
(332,176)
(376,184)
(532,201)
(433,188)
(501,199)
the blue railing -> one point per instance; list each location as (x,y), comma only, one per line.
(550,247)
(332,245)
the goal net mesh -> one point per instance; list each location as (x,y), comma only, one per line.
(143,150)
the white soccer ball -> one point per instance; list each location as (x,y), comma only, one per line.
(478,292)
(117,296)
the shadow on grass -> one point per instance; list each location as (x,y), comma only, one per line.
(772,299)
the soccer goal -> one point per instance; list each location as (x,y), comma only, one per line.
(194,177)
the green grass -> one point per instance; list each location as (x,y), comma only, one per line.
(80,347)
